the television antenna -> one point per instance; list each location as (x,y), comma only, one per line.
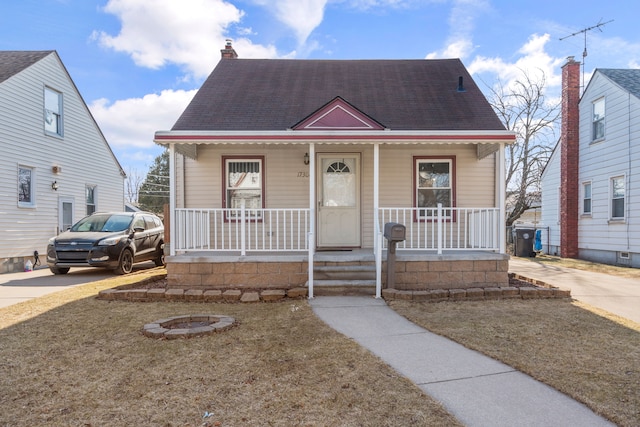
(584,31)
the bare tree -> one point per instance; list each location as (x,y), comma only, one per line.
(132,186)
(523,108)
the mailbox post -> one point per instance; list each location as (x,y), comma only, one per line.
(394,233)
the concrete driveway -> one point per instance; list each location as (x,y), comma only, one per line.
(23,286)
(617,295)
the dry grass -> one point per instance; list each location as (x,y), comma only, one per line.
(632,273)
(68,359)
(588,355)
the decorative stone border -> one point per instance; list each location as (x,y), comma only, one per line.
(197,295)
(212,323)
(478,294)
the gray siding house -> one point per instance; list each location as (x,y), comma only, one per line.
(285,172)
(55,164)
(600,173)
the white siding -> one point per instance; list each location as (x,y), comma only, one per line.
(287,178)
(550,185)
(82,153)
(618,154)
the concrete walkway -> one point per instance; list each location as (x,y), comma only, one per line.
(617,295)
(476,389)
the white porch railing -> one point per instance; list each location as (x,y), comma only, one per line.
(451,229)
(271,230)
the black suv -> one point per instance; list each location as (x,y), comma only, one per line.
(114,240)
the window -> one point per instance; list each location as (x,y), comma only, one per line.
(598,119)
(586,198)
(244,185)
(26,193)
(90,191)
(617,197)
(434,183)
(52,112)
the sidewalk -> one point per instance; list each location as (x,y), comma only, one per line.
(617,295)
(476,389)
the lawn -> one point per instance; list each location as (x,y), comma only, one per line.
(68,359)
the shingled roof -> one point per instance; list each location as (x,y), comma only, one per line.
(628,79)
(12,62)
(275,94)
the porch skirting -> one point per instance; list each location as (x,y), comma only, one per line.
(413,271)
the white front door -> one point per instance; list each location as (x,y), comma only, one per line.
(338,200)
(65,213)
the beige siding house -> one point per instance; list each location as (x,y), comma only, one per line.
(55,164)
(285,172)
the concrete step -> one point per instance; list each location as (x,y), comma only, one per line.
(343,287)
(345,272)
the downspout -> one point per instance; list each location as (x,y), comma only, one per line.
(502,194)
(172,200)
(312,215)
(377,240)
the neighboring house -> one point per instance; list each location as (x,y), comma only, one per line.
(55,164)
(589,183)
(276,163)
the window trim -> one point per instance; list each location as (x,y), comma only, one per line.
(594,122)
(60,115)
(452,185)
(611,198)
(86,200)
(585,198)
(32,186)
(225,160)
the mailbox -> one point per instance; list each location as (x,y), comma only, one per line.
(394,232)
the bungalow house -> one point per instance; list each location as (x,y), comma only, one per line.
(55,164)
(284,173)
(588,184)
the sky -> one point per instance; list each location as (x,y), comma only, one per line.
(138,63)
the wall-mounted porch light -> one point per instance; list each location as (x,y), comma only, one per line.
(306,158)
(54,185)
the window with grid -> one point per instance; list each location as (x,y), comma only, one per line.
(434,183)
(244,180)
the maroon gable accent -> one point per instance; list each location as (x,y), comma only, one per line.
(338,115)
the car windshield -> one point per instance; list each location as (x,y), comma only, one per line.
(103,222)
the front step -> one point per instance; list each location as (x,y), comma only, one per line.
(343,287)
(344,280)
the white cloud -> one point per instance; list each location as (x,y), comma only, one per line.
(533,59)
(133,122)
(188,33)
(462,18)
(302,16)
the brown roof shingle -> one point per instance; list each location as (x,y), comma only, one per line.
(14,61)
(275,94)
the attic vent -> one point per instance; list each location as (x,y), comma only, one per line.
(461,85)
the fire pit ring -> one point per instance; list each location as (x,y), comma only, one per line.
(189,326)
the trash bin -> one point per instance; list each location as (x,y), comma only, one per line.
(524,242)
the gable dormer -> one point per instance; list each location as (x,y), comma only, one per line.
(338,114)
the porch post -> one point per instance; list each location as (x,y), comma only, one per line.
(502,194)
(440,219)
(172,200)
(377,240)
(312,215)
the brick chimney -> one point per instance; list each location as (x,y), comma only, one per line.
(228,52)
(569,146)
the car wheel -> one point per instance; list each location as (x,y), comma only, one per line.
(159,260)
(125,265)
(59,270)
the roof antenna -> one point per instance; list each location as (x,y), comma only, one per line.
(584,31)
